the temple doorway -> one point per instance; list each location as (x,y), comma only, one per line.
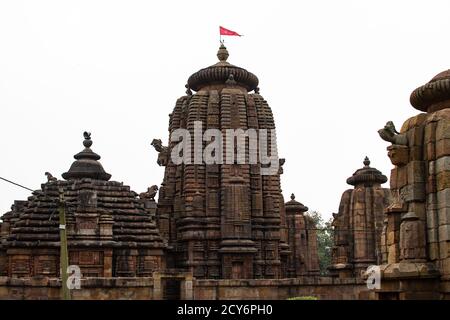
(171,289)
(173,284)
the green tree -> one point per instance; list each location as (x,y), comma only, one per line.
(324,240)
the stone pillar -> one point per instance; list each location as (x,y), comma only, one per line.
(384,248)
(108,263)
(157,286)
(187,289)
(106,223)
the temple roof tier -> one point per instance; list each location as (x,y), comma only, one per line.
(221,72)
(367,175)
(86,164)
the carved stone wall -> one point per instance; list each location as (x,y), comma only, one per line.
(417,234)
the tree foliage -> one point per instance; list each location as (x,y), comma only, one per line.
(324,240)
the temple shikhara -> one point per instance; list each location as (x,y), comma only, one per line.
(224,230)
(223,221)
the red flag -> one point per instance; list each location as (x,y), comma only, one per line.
(226,32)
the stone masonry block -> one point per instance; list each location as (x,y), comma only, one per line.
(444,232)
(391,238)
(433,250)
(432,201)
(416,172)
(430,132)
(432,219)
(419,209)
(417,120)
(393,179)
(415,153)
(402,177)
(430,149)
(432,167)
(393,253)
(415,136)
(445,267)
(442,148)
(443,164)
(430,186)
(432,234)
(413,192)
(442,180)
(444,215)
(444,249)
(393,222)
(443,198)
(443,130)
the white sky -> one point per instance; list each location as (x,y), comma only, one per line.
(333,73)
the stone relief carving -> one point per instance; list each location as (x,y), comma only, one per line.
(50,177)
(150,193)
(163,152)
(281,162)
(390,134)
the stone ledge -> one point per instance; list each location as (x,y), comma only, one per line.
(302,281)
(405,270)
(85,283)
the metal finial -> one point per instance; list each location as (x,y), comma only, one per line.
(222,54)
(366,161)
(292,196)
(87,139)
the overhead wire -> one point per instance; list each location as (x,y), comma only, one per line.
(17,184)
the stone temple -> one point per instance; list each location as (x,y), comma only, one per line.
(223,220)
(222,229)
(417,235)
(111,232)
(359,223)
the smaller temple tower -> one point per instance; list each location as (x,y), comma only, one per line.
(302,240)
(111,231)
(359,223)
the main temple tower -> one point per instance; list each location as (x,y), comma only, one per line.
(222,220)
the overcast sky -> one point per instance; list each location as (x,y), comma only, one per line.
(333,73)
